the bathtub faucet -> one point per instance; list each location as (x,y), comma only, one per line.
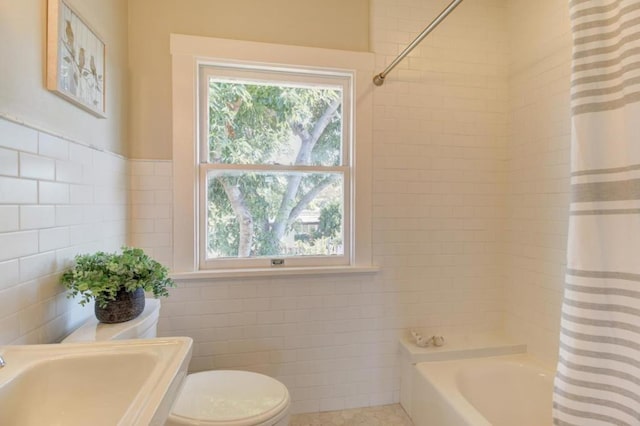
(422,342)
(2,363)
(437,340)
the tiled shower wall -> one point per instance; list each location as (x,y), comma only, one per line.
(539,150)
(440,164)
(57,198)
(439,206)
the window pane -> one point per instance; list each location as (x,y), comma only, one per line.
(258,123)
(274,214)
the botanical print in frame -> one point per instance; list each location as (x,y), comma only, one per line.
(75,59)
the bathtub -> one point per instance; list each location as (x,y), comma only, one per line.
(493,391)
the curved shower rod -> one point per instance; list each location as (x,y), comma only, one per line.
(378,79)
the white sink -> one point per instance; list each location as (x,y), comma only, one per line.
(126,382)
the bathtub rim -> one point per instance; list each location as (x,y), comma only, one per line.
(462,346)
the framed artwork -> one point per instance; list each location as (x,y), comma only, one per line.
(75,59)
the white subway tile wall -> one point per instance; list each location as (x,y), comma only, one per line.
(539,151)
(151,194)
(57,199)
(440,127)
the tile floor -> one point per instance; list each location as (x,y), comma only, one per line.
(386,415)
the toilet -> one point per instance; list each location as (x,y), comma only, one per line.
(207,398)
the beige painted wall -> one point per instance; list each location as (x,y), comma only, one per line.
(336,24)
(23,93)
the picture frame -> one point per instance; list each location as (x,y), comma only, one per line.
(76,59)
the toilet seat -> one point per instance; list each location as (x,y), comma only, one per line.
(230,398)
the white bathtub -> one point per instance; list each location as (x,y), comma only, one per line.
(497,391)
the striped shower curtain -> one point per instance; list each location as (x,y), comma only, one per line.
(598,376)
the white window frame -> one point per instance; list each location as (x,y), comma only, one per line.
(273,74)
(188,54)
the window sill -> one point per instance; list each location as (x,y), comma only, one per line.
(274,272)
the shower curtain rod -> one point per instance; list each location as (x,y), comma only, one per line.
(378,80)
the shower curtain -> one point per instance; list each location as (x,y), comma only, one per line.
(598,376)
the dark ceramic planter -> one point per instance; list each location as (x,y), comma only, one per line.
(126,307)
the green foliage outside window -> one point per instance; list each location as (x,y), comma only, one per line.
(255,213)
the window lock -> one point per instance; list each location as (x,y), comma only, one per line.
(277,262)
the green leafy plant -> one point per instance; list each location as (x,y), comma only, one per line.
(101,275)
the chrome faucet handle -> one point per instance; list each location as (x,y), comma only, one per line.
(2,363)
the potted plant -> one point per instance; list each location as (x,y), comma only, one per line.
(116,282)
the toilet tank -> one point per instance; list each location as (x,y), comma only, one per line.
(145,326)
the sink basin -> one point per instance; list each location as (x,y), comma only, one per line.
(126,382)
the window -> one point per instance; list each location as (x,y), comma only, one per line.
(271,167)
(274,167)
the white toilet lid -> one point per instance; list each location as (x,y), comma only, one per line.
(227,397)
